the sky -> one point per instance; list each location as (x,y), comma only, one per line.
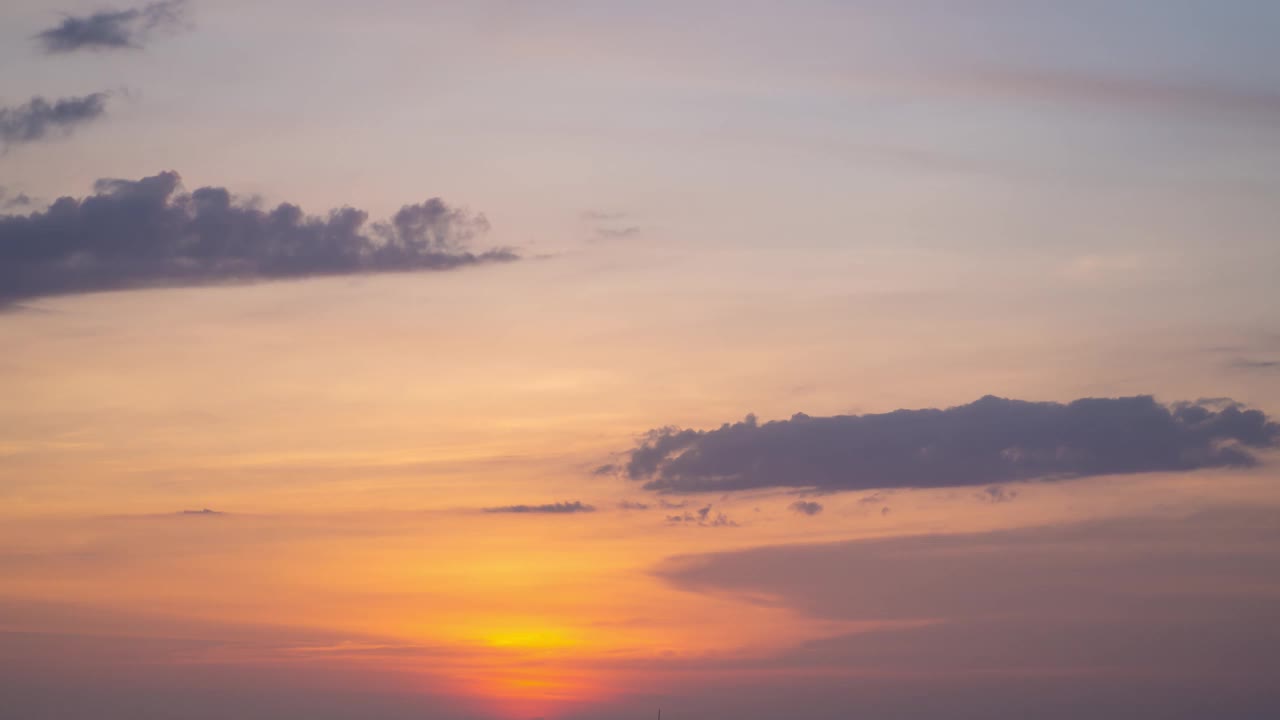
(575,360)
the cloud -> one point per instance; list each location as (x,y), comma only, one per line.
(597,216)
(992,440)
(40,119)
(606,225)
(617,233)
(112,29)
(1247,364)
(632,505)
(997,494)
(806,507)
(702,518)
(205,512)
(1114,90)
(13,201)
(1127,604)
(143,233)
(560,508)
(1226,558)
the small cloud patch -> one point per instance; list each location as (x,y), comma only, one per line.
(112,29)
(806,507)
(560,508)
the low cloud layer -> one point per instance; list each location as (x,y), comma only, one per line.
(992,440)
(112,29)
(1187,595)
(1168,616)
(141,233)
(560,508)
(41,119)
(1117,569)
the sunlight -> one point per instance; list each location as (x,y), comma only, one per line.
(525,691)
(531,638)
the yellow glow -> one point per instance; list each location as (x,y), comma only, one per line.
(530,638)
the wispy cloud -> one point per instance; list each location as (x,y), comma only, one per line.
(606,216)
(608,225)
(560,508)
(702,517)
(112,29)
(617,233)
(1113,89)
(1250,364)
(997,494)
(19,200)
(41,119)
(806,507)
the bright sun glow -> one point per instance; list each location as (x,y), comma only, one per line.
(536,638)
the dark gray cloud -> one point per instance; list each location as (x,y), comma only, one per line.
(806,507)
(992,440)
(560,508)
(112,29)
(141,233)
(204,512)
(633,505)
(40,119)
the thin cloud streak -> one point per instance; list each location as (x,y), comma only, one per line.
(559,508)
(112,29)
(1119,90)
(40,119)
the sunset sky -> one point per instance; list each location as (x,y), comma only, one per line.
(502,360)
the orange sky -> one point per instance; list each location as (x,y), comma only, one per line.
(502,360)
(352,536)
